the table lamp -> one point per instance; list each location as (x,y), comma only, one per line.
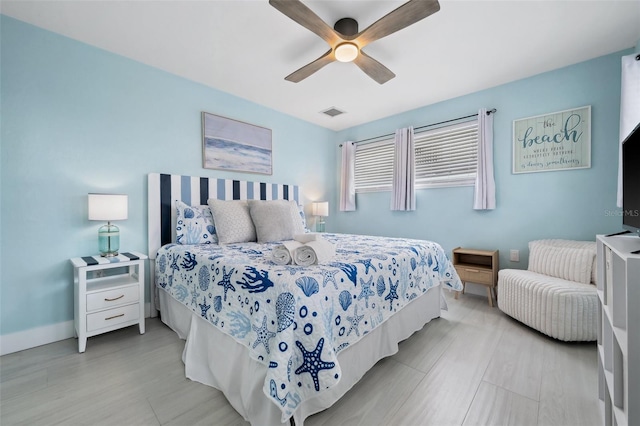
(108,207)
(320,209)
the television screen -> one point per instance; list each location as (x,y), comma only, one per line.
(631,181)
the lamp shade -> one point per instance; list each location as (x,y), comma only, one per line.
(320,208)
(108,207)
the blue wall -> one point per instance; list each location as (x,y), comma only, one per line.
(76,119)
(575,204)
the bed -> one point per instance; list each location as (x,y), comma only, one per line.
(282,341)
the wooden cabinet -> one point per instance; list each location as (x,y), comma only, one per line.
(109,294)
(478,267)
(618,284)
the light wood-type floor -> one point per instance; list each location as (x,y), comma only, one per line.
(473,366)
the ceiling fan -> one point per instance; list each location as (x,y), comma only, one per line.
(345,40)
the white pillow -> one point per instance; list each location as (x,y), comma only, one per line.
(194,225)
(572,264)
(587,245)
(275,220)
(233,221)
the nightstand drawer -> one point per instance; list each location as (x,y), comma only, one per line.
(476,275)
(112,298)
(112,317)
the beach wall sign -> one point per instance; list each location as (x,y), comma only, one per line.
(555,141)
(233,145)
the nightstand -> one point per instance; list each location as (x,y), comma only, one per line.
(478,267)
(109,294)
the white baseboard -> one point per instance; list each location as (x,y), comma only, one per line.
(21,340)
(33,337)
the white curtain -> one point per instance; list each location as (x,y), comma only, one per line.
(485,186)
(347,176)
(629,106)
(403,192)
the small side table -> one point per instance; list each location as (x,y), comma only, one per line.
(109,294)
(479,267)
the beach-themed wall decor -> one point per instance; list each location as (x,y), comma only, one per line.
(235,146)
(555,141)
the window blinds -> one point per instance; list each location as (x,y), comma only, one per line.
(446,156)
(374,166)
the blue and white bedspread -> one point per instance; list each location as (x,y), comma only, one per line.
(296,319)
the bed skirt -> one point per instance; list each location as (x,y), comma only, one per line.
(241,378)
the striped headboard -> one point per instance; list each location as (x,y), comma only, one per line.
(164,189)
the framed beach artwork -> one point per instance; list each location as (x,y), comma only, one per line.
(554,141)
(232,145)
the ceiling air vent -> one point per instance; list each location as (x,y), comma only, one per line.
(332,112)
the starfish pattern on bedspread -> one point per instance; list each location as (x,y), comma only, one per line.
(393,294)
(366,290)
(355,322)
(285,317)
(225,282)
(312,363)
(264,335)
(329,276)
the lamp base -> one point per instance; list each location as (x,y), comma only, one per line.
(320,224)
(108,240)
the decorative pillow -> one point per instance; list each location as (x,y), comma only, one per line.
(233,221)
(587,245)
(275,220)
(573,264)
(194,225)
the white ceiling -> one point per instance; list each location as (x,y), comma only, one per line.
(246,47)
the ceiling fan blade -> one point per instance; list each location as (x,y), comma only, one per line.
(310,68)
(373,68)
(304,16)
(405,15)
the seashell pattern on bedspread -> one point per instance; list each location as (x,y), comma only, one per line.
(295,319)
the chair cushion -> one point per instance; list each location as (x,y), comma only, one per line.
(588,245)
(568,263)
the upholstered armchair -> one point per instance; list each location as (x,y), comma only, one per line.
(556,295)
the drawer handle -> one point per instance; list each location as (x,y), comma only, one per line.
(115,316)
(115,298)
(472,270)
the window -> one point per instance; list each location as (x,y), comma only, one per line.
(446,156)
(374,166)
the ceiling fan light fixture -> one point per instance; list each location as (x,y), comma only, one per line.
(345,39)
(346,52)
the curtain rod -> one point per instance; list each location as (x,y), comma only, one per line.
(491,111)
